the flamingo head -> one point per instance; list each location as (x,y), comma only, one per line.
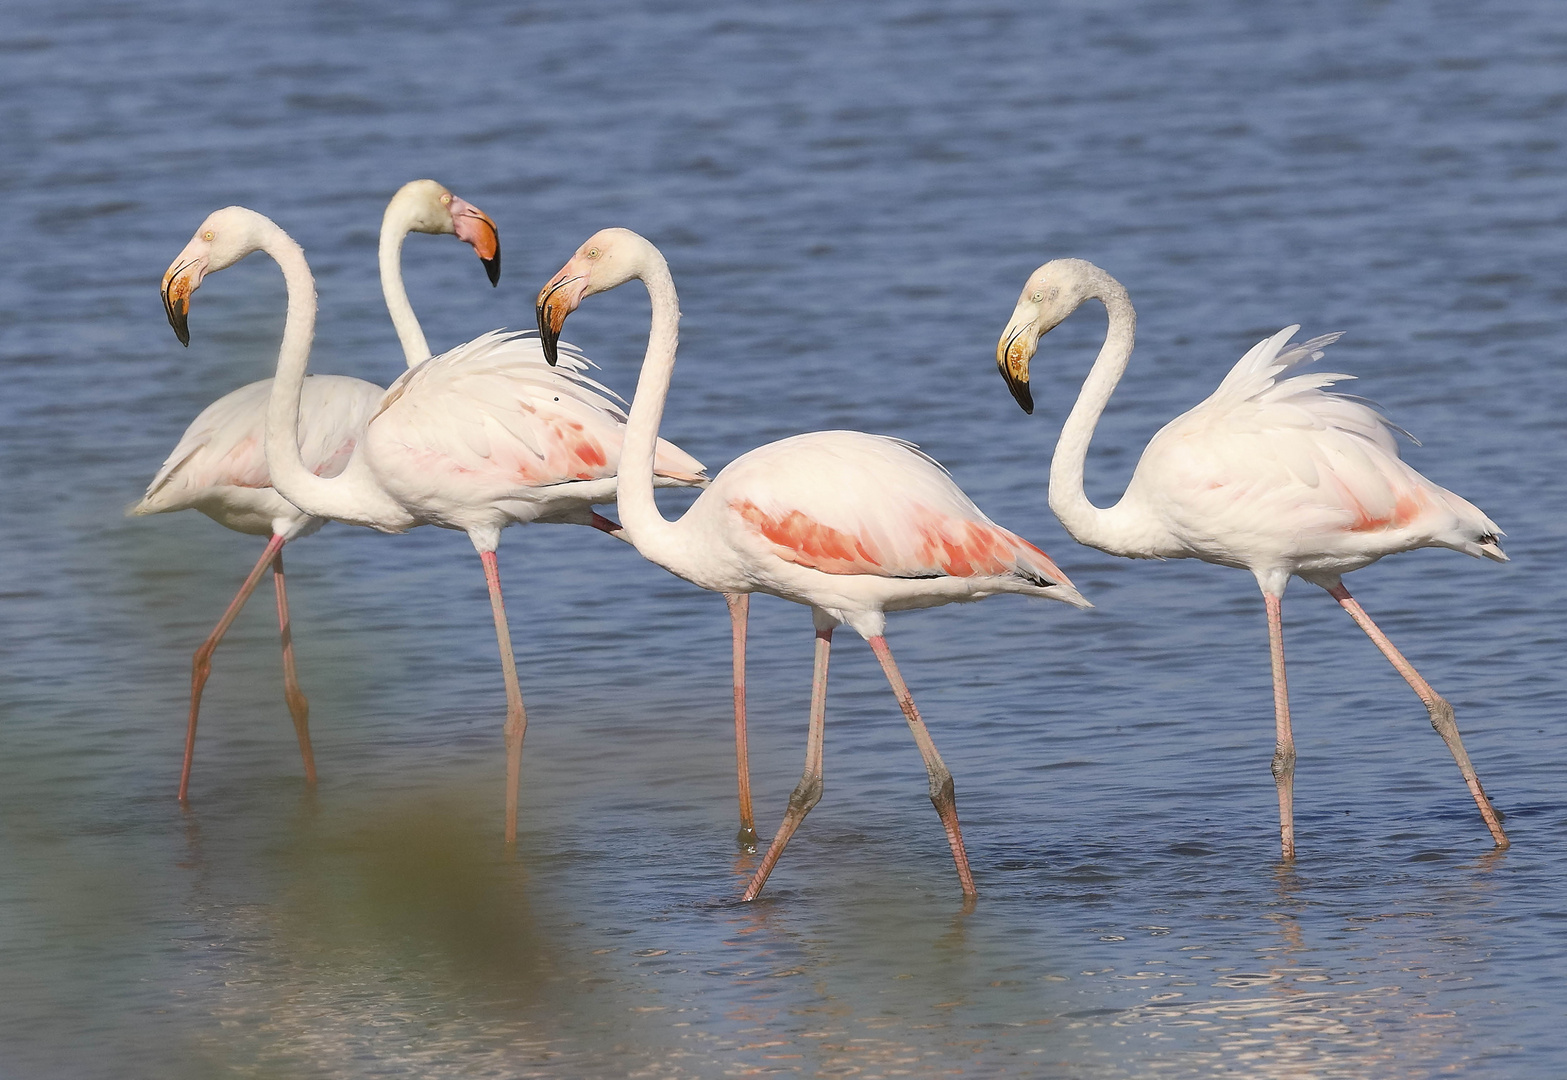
(428,207)
(608,258)
(1053,292)
(226,237)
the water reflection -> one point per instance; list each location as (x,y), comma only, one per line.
(1314,1016)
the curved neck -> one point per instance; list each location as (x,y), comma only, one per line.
(394,230)
(1087,523)
(347,496)
(286,466)
(645,526)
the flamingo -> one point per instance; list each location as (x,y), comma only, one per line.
(1280,477)
(483,436)
(218,466)
(849,524)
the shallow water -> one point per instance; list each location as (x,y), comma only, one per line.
(850,199)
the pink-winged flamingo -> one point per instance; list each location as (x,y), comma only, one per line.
(1280,477)
(849,524)
(483,436)
(219,467)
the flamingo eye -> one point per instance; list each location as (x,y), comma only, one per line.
(593,253)
(208,236)
(446,200)
(1037,297)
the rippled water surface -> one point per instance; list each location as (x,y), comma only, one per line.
(850,197)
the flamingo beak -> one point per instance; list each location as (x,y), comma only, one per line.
(182,278)
(1013,352)
(557,300)
(474,228)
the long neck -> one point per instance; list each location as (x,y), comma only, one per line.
(1087,523)
(653,536)
(394,230)
(286,466)
(350,496)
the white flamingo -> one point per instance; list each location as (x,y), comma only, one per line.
(849,524)
(219,467)
(481,437)
(1282,478)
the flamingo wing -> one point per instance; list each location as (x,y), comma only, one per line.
(844,502)
(1265,456)
(494,408)
(224,445)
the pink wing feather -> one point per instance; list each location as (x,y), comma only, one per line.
(1291,459)
(224,445)
(844,502)
(492,412)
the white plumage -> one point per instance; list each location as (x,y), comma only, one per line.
(1279,476)
(219,465)
(480,437)
(849,524)
(489,434)
(1287,475)
(859,525)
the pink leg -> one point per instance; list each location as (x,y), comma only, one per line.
(1284,738)
(516,718)
(739,609)
(1441,712)
(808,792)
(201,663)
(942,793)
(298,706)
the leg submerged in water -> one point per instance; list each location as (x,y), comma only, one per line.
(943,795)
(516,716)
(298,704)
(1284,738)
(739,611)
(201,662)
(1441,712)
(808,792)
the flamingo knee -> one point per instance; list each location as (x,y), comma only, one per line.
(943,793)
(1283,767)
(806,794)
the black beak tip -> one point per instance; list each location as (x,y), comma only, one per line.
(1019,387)
(177,321)
(547,337)
(181,328)
(1023,395)
(492,267)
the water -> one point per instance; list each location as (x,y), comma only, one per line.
(850,199)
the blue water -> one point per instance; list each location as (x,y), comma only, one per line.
(850,197)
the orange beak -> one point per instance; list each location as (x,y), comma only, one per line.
(1013,352)
(182,278)
(557,300)
(474,228)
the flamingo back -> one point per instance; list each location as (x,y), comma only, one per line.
(491,419)
(224,447)
(1287,468)
(845,502)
